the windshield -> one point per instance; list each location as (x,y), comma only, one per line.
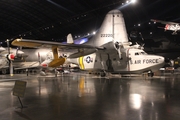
(140,53)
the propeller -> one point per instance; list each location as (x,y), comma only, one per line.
(39,58)
(10,58)
(118,46)
(138,46)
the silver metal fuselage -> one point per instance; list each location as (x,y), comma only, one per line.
(32,57)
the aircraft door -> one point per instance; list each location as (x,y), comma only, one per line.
(104,62)
(109,63)
(129,61)
(123,61)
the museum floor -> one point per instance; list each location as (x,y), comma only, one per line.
(78,96)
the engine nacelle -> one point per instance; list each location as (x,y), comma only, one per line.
(10,57)
(44,65)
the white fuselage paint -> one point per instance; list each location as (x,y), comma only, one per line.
(133,61)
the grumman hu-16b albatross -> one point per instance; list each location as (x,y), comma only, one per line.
(108,51)
(173,26)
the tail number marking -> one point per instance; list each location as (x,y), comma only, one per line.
(106,35)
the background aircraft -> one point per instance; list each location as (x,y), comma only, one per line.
(7,55)
(36,59)
(109,50)
(24,59)
(173,26)
(32,58)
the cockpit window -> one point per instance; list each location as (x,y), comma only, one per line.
(140,53)
(136,53)
(143,53)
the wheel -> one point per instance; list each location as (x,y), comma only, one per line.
(150,74)
(4,71)
(103,74)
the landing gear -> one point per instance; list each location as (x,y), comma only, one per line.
(174,33)
(4,71)
(150,74)
(102,73)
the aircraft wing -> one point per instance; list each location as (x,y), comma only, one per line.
(22,68)
(48,44)
(25,65)
(164,22)
(4,67)
(82,49)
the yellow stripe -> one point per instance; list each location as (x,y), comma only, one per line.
(25,44)
(55,52)
(81,63)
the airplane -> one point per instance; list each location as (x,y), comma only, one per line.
(33,60)
(108,51)
(23,59)
(37,60)
(6,56)
(173,26)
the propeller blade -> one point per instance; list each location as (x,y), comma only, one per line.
(118,46)
(17,52)
(11,68)
(8,46)
(10,57)
(39,58)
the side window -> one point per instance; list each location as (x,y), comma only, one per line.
(136,53)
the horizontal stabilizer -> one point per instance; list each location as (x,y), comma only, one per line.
(83,53)
(70,39)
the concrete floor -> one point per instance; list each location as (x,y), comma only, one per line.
(87,97)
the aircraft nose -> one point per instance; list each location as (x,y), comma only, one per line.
(161,59)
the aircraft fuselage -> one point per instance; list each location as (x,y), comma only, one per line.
(133,61)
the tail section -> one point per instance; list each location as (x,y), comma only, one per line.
(70,39)
(112,30)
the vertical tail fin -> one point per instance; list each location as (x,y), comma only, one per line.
(70,39)
(112,30)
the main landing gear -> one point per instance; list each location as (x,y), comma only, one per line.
(150,74)
(102,73)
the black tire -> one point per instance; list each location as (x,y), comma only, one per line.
(103,74)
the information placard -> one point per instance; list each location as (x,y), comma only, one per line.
(19,88)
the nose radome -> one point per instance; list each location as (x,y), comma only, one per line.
(161,59)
